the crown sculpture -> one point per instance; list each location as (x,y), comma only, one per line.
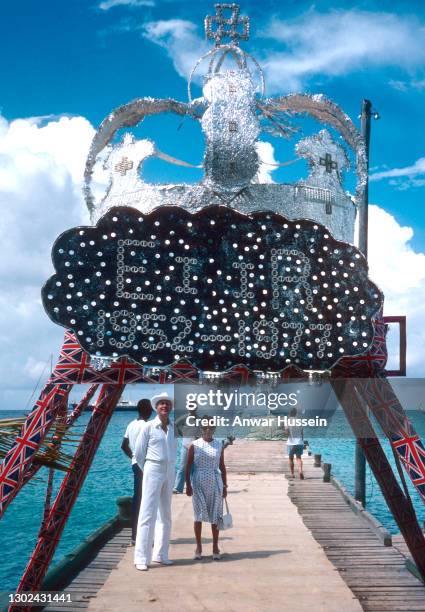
(226,271)
(233,112)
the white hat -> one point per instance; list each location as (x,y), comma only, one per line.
(161,396)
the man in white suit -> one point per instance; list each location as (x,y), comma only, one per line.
(155,454)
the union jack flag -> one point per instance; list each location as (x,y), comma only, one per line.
(184,371)
(74,366)
(18,460)
(378,394)
(411,452)
(73,362)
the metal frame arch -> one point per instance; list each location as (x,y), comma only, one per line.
(128,115)
(325,111)
(225,49)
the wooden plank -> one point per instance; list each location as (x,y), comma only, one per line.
(387,553)
(395,597)
(88,582)
(368,589)
(97,574)
(362,560)
(393,605)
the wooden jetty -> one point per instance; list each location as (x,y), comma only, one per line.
(293,541)
(376,574)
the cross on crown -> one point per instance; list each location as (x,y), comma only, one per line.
(220,21)
(328,162)
(123,166)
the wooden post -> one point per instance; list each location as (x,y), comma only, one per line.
(124,510)
(359,458)
(327,472)
(317,460)
(363,205)
(359,475)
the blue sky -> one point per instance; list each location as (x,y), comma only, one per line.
(82,58)
(78,58)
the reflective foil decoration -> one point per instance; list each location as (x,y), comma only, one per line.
(218,288)
(233,114)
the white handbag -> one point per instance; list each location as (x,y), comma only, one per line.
(226,521)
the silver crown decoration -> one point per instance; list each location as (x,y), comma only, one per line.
(233,112)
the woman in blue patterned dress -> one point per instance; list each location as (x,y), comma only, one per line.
(208,485)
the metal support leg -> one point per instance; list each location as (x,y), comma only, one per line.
(69,490)
(399,505)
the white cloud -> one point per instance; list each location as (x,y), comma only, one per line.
(268,162)
(41,171)
(401,85)
(108,4)
(399,272)
(313,45)
(413,170)
(403,178)
(339,42)
(179,38)
(37,369)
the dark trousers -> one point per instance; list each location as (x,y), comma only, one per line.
(137,498)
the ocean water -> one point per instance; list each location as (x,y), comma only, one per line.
(110,477)
(338,448)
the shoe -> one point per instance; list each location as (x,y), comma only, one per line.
(197,556)
(141,567)
(163,561)
(133,543)
(216,556)
(301,476)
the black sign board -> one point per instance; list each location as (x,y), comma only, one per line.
(217,287)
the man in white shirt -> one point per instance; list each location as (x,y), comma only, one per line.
(155,454)
(128,445)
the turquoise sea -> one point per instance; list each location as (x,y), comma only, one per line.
(111,477)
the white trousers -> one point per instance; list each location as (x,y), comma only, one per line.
(155,513)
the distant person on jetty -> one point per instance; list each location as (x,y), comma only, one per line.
(128,445)
(156,456)
(207,485)
(295,445)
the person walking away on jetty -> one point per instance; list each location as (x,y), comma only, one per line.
(156,456)
(128,445)
(295,445)
(207,486)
